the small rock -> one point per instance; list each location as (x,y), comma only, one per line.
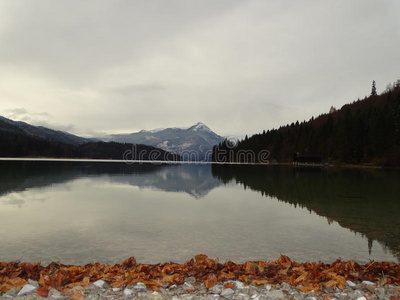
(268,287)
(55,294)
(140,287)
(242,296)
(351,284)
(128,292)
(312,294)
(380,291)
(311,298)
(366,282)
(227,292)
(26,289)
(276,294)
(371,288)
(190,279)
(11,293)
(188,286)
(116,289)
(238,285)
(362,298)
(217,288)
(99,283)
(187,297)
(172,287)
(33,282)
(154,296)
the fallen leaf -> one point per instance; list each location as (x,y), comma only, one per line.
(210,280)
(43,291)
(76,294)
(301,278)
(259,282)
(229,285)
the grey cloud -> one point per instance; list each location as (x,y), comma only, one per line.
(238,66)
(36,118)
(132,89)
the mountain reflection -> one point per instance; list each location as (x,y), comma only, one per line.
(364,201)
(197,181)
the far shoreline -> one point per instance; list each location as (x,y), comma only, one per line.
(163,162)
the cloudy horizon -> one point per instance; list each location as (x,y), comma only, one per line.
(100,67)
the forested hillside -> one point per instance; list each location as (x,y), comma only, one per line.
(364,132)
(14,142)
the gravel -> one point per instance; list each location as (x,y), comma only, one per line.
(197,291)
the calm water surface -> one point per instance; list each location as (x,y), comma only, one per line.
(80,212)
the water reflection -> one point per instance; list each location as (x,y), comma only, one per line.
(364,201)
(55,210)
(21,175)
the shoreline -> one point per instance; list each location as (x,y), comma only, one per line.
(159,162)
(202,277)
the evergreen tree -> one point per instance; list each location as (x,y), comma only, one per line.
(373,91)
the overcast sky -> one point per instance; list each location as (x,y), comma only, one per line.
(93,67)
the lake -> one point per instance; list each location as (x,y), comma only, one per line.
(81,212)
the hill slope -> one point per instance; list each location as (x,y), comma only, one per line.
(47,133)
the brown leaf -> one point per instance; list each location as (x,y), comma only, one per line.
(250,268)
(210,280)
(341,282)
(331,283)
(301,278)
(16,282)
(43,291)
(229,285)
(153,285)
(129,263)
(76,294)
(84,283)
(260,282)
(200,258)
(305,288)
(171,278)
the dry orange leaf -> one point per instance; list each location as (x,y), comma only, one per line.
(301,278)
(9,284)
(43,291)
(229,285)
(250,268)
(76,294)
(259,282)
(210,280)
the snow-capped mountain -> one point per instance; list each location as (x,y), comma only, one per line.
(193,143)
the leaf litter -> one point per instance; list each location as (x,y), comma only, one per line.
(305,277)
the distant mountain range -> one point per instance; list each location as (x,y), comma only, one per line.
(19,139)
(192,143)
(46,133)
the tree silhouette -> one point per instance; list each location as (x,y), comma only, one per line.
(373,91)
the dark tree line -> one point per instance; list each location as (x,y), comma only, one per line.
(14,142)
(366,131)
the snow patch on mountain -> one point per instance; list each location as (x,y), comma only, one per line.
(198,139)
